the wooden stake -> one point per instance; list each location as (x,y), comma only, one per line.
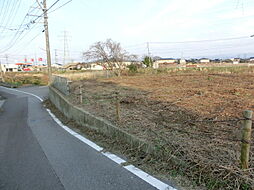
(246,139)
(80,94)
(117,107)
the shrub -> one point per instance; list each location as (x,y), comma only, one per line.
(133,68)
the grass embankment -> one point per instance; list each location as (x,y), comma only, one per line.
(24,79)
(175,110)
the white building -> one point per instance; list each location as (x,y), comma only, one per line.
(155,65)
(96,67)
(182,61)
(2,68)
(10,67)
(204,60)
(166,61)
(235,60)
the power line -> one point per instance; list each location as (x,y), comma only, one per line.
(2,8)
(60,6)
(201,41)
(5,8)
(18,50)
(12,15)
(19,32)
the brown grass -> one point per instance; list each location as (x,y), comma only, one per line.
(24,79)
(166,109)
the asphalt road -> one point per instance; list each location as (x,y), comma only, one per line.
(35,153)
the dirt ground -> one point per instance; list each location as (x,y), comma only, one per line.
(193,116)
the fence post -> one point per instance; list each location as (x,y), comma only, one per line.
(80,94)
(246,139)
(117,107)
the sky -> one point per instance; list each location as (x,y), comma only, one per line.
(168,28)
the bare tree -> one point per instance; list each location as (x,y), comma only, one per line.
(109,54)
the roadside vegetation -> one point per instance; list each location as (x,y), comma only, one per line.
(25,79)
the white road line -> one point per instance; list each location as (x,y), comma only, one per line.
(61,124)
(81,138)
(114,157)
(88,142)
(136,171)
(148,178)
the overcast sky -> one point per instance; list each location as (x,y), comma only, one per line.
(133,23)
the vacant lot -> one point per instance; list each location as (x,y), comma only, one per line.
(193,116)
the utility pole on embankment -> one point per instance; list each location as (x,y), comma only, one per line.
(1,73)
(46,27)
(46,30)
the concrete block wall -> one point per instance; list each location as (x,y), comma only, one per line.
(62,84)
(90,121)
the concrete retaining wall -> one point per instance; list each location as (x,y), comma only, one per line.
(62,84)
(90,121)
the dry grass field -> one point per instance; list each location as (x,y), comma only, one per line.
(191,115)
(25,78)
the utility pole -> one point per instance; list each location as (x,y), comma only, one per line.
(148,49)
(47,40)
(6,58)
(149,54)
(35,59)
(1,71)
(66,47)
(56,60)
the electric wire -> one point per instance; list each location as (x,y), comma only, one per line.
(19,33)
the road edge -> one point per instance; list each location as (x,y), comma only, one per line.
(158,184)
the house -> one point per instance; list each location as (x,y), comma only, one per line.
(236,60)
(94,67)
(204,60)
(182,61)
(11,67)
(57,65)
(217,61)
(100,65)
(73,66)
(251,60)
(192,61)
(227,61)
(166,61)
(155,65)
(2,68)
